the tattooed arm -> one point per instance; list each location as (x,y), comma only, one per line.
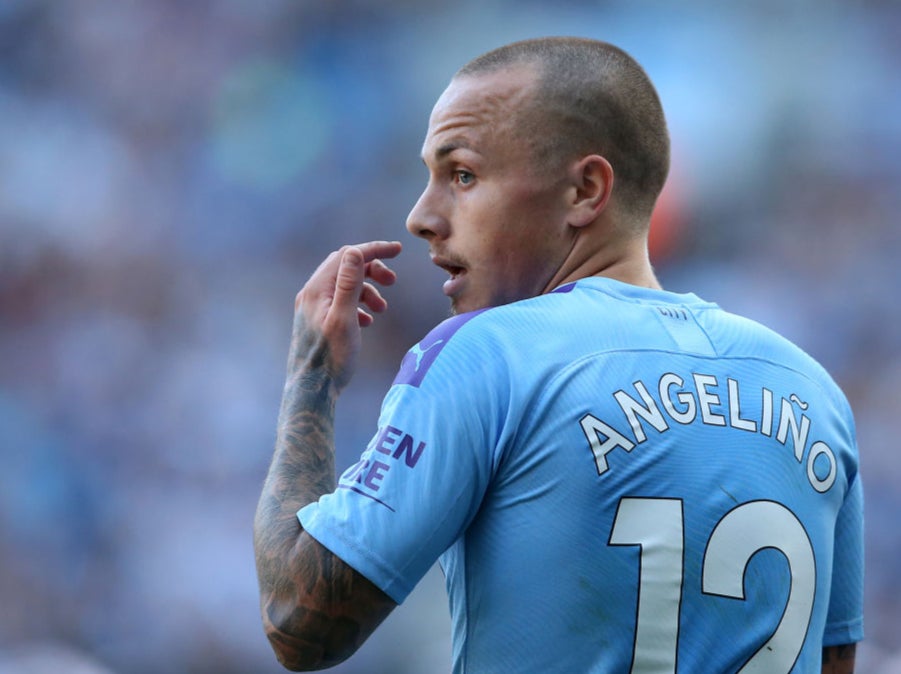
(839,659)
(316,609)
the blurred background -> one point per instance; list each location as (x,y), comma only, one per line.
(170,174)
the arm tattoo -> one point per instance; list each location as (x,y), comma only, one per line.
(316,609)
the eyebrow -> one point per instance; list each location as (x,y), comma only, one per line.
(442,151)
(446,149)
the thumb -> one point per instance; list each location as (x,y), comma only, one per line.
(349,280)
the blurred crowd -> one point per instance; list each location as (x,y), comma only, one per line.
(171,172)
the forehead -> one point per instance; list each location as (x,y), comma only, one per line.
(474,104)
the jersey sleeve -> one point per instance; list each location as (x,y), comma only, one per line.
(844,622)
(422,477)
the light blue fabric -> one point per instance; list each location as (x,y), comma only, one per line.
(559,453)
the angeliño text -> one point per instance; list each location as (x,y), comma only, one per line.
(715,403)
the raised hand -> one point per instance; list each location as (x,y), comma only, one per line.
(305,591)
(334,304)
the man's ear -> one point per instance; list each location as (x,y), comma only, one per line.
(592,183)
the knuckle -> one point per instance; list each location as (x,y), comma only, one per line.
(299,298)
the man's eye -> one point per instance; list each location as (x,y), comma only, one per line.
(464,177)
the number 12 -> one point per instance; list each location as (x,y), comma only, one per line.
(656,526)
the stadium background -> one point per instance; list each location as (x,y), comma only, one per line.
(170,173)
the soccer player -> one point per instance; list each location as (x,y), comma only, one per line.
(614,477)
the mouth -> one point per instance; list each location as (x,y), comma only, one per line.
(450,265)
(454,269)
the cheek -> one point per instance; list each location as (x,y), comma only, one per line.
(537,204)
(514,227)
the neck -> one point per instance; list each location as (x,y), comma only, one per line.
(625,260)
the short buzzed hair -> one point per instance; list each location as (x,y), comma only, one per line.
(592,98)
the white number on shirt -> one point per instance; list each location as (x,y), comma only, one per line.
(655,525)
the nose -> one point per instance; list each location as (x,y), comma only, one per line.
(427,219)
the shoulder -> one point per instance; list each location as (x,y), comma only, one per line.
(420,358)
(469,348)
(505,336)
(744,337)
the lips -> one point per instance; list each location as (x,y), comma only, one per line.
(456,271)
(451,265)
(452,269)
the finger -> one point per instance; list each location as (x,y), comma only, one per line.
(363,319)
(373,250)
(381,273)
(349,280)
(372,298)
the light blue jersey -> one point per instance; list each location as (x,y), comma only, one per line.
(616,479)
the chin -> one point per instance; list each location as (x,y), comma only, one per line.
(464,307)
(457,308)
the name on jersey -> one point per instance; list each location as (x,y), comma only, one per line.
(389,448)
(711,401)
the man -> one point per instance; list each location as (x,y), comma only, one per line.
(615,478)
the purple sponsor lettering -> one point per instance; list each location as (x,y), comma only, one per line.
(366,477)
(405,449)
(376,474)
(387,438)
(353,473)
